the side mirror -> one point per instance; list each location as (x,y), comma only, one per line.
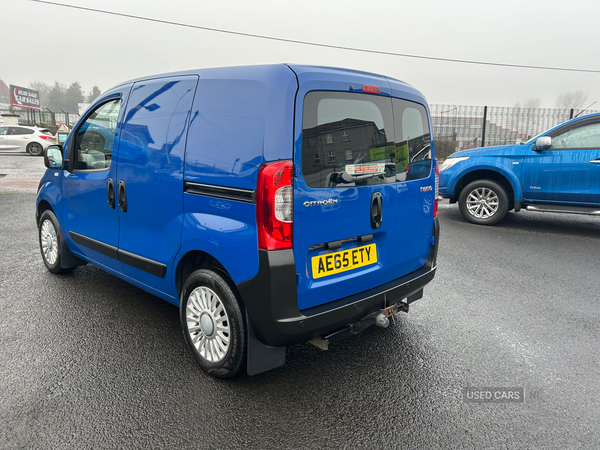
(53,157)
(543,143)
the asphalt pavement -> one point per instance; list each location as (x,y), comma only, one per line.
(89,361)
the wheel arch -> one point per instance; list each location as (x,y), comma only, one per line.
(194,260)
(507,180)
(43,205)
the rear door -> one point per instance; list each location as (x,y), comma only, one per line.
(17,138)
(569,171)
(353,169)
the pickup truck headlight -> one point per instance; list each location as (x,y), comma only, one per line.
(451,161)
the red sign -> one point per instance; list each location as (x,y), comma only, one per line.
(24,98)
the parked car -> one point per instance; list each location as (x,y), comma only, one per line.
(556,171)
(270,203)
(32,140)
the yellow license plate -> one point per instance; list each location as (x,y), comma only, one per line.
(332,263)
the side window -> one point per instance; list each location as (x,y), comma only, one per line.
(18,131)
(96,136)
(3,131)
(586,136)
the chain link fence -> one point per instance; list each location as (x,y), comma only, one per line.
(459,127)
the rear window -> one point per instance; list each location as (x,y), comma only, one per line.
(45,132)
(356,140)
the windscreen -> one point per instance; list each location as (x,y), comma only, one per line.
(353,139)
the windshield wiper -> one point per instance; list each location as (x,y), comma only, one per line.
(345,178)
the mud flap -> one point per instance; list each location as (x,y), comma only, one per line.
(261,358)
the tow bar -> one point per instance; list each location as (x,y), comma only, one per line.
(379,318)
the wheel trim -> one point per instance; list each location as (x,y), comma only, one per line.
(49,242)
(482,203)
(212,343)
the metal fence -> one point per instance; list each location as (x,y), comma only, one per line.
(459,127)
(45,118)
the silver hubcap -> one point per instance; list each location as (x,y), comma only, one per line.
(49,242)
(208,324)
(482,203)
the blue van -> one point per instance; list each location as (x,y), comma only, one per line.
(273,204)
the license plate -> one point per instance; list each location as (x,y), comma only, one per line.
(337,262)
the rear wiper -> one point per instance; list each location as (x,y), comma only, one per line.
(345,177)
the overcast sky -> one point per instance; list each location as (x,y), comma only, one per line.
(48,43)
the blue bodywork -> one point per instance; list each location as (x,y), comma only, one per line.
(550,176)
(217,127)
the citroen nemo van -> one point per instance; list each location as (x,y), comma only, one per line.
(272,204)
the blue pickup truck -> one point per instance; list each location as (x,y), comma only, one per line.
(556,171)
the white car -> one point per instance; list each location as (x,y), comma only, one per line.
(32,140)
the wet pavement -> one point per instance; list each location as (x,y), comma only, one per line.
(89,361)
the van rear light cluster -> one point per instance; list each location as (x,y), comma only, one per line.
(437,186)
(274,206)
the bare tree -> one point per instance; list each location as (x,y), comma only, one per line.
(43,89)
(531,103)
(570,100)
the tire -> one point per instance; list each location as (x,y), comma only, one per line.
(483,202)
(35,149)
(50,239)
(213,322)
(92,140)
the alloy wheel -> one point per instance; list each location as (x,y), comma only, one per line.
(482,203)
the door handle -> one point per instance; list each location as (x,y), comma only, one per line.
(122,193)
(376,210)
(110,193)
(595,161)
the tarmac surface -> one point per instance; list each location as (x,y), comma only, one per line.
(89,361)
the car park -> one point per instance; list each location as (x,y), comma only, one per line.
(556,171)
(32,140)
(273,204)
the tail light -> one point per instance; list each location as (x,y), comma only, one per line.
(437,186)
(274,206)
(44,136)
(368,89)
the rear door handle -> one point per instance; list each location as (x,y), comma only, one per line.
(122,193)
(376,210)
(110,193)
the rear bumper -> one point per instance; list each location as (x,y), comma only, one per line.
(272,306)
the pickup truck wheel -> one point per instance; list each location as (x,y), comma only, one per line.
(483,202)
(213,322)
(50,239)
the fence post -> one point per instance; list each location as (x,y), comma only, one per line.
(66,117)
(483,127)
